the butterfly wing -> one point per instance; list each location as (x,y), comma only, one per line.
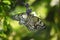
(34,23)
(31,22)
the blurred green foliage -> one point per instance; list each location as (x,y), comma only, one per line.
(48,10)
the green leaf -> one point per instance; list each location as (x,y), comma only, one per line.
(7,2)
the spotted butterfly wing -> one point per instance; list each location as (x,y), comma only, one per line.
(33,23)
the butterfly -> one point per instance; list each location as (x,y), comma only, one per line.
(32,22)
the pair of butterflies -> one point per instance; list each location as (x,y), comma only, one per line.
(32,22)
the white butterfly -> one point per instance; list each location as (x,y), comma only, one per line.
(30,21)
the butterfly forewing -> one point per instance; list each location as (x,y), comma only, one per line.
(31,22)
